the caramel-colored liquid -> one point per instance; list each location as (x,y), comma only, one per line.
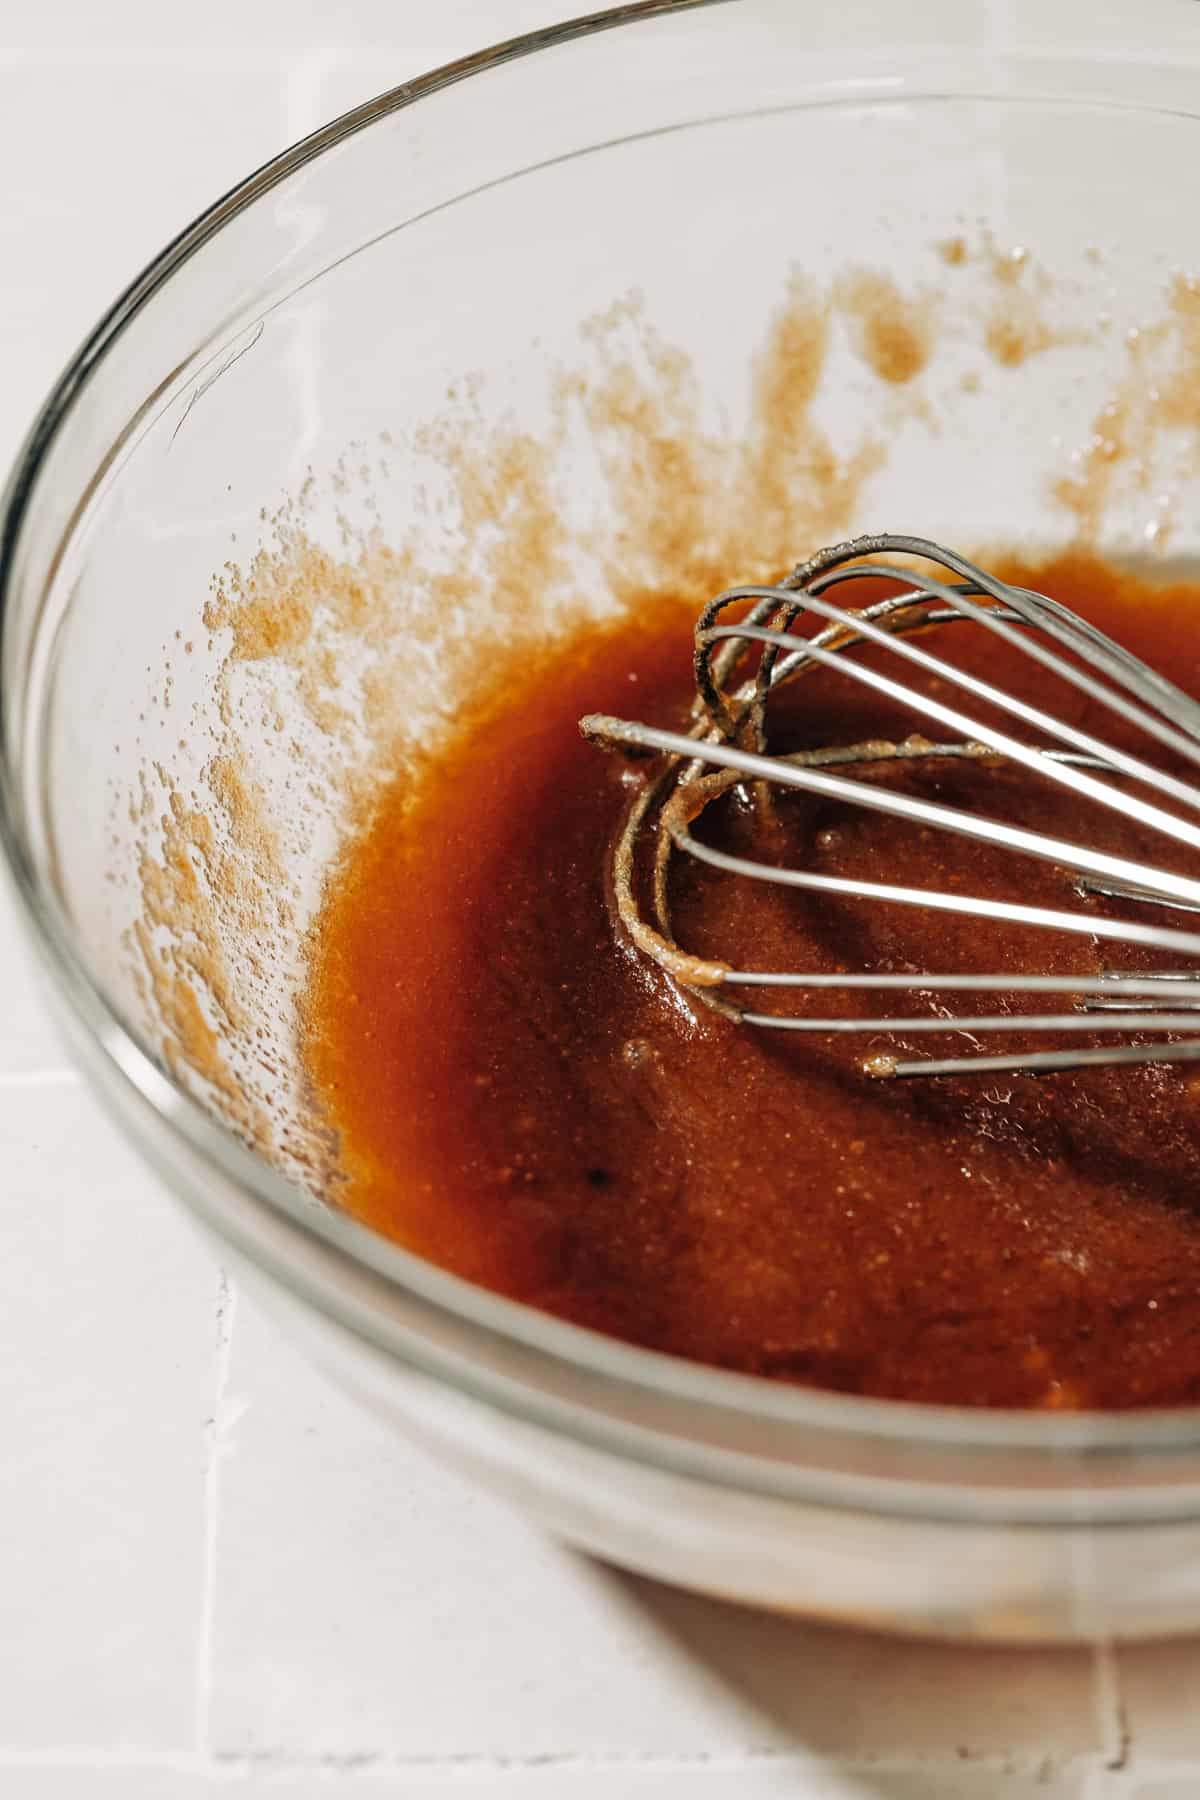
(520,1097)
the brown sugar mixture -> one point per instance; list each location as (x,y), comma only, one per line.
(520,1097)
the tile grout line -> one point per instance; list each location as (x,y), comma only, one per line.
(225,1312)
(1114,1724)
(259,58)
(237,1768)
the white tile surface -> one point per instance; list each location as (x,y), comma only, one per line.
(29,1043)
(287,1602)
(776,1780)
(279,25)
(1160,1690)
(1183,1784)
(517,1647)
(106,1308)
(99,205)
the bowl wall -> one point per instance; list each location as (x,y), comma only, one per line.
(660,305)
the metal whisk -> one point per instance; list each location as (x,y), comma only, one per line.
(728,744)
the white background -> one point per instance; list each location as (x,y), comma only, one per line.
(215,1576)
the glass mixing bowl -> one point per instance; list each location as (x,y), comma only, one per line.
(353,420)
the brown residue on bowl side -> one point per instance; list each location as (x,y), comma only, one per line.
(1145,437)
(1018,293)
(1018,322)
(341,643)
(331,647)
(1179,396)
(790,484)
(188,978)
(1016,328)
(892,332)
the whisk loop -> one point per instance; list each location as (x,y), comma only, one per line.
(728,743)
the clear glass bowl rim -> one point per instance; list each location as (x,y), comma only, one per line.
(125,1064)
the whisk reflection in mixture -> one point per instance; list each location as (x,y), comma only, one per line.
(728,744)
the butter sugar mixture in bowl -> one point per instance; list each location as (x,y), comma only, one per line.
(523,1098)
(435,437)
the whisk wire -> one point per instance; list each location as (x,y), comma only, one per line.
(728,742)
(1031,756)
(1161,883)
